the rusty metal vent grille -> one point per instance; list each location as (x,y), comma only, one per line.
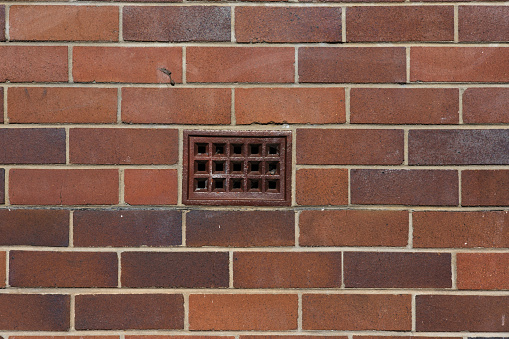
(237,168)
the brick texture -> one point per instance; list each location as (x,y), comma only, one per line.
(2,186)
(486,106)
(32,146)
(2,23)
(150,187)
(483,23)
(322,187)
(485,188)
(483,271)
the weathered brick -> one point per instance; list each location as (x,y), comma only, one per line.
(123,146)
(129,311)
(240,228)
(3,268)
(176,24)
(32,146)
(240,64)
(352,64)
(290,105)
(349,146)
(404,105)
(2,23)
(482,271)
(62,105)
(404,187)
(243,312)
(483,23)
(62,269)
(63,186)
(1,104)
(126,228)
(352,312)
(74,23)
(127,64)
(150,186)
(2,186)
(66,337)
(485,188)
(287,269)
(486,105)
(291,337)
(176,105)
(287,24)
(322,187)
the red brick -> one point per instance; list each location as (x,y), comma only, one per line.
(401,23)
(62,105)
(176,105)
(127,64)
(290,105)
(74,23)
(287,24)
(2,186)
(486,106)
(485,188)
(62,269)
(1,104)
(34,312)
(458,313)
(352,312)
(123,146)
(176,24)
(32,146)
(292,337)
(483,23)
(129,311)
(3,268)
(180,337)
(2,23)
(404,187)
(322,187)
(461,229)
(349,146)
(243,312)
(33,63)
(375,1)
(170,1)
(34,227)
(175,270)
(287,269)
(240,64)
(240,228)
(67,337)
(352,64)
(150,187)
(63,186)
(353,228)
(459,64)
(483,271)
(397,270)
(125,228)
(404,105)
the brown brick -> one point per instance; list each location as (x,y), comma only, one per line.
(290,105)
(240,64)
(3,268)
(243,312)
(457,313)
(461,229)
(287,269)
(397,270)
(398,337)
(485,188)
(126,228)
(129,311)
(33,63)
(63,23)
(404,105)
(127,64)
(1,104)
(483,23)
(349,146)
(34,227)
(32,146)
(459,64)
(67,337)
(483,271)
(2,186)
(353,228)
(34,312)
(175,270)
(404,187)
(150,186)
(176,105)
(177,24)
(292,337)
(180,337)
(62,105)
(352,312)
(63,186)
(287,24)
(486,106)
(123,146)
(240,228)
(2,23)
(458,147)
(352,64)
(62,269)
(400,23)
(322,187)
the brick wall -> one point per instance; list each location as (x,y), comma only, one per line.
(399,221)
